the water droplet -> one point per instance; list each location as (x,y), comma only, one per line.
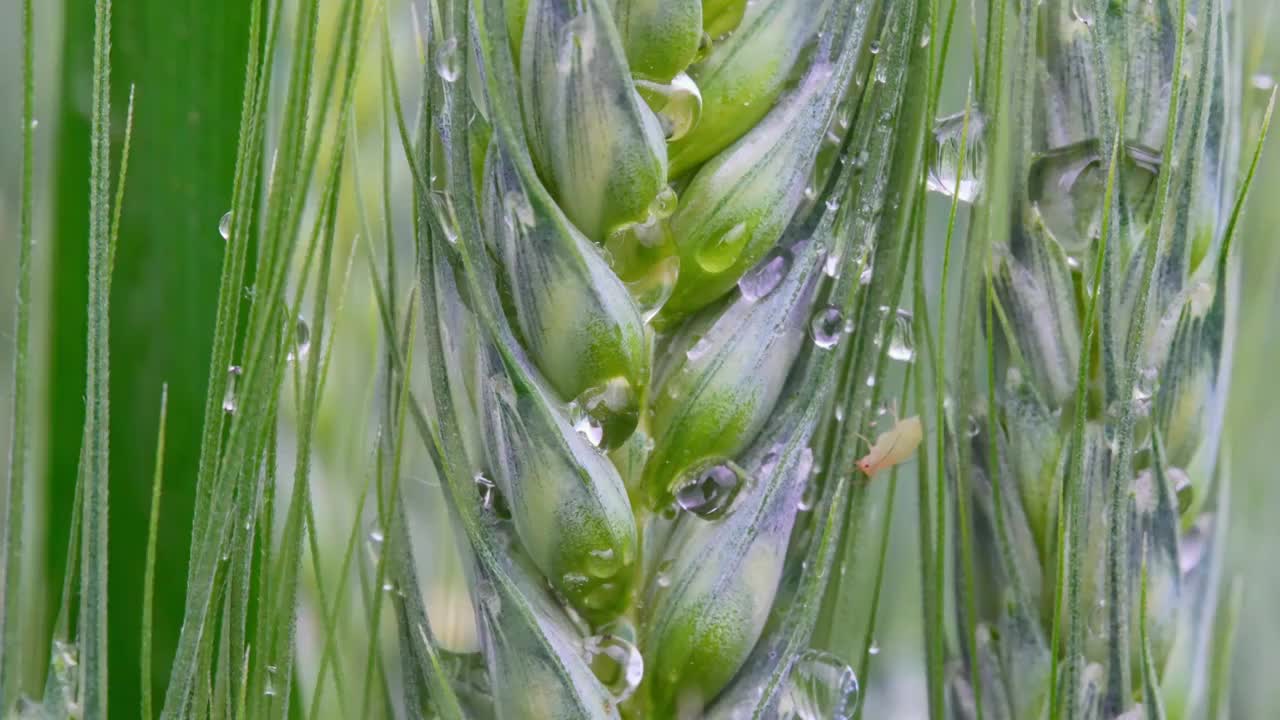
(1067,188)
(831,265)
(709,490)
(809,497)
(1263,81)
(718,255)
(586,425)
(65,655)
(448,61)
(1182,488)
(820,686)
(764,277)
(972,428)
(698,349)
(946,177)
(229,402)
(871,381)
(864,277)
(301,341)
(491,498)
(678,104)
(901,347)
(826,327)
(1194,542)
(875,648)
(376,536)
(653,290)
(224,225)
(615,659)
(663,578)
(874,47)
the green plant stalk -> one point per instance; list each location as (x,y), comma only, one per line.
(15,481)
(93,603)
(157,483)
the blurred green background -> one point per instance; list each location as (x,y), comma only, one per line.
(186,60)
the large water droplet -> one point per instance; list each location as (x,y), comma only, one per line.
(491,499)
(678,104)
(664,203)
(606,414)
(586,425)
(448,60)
(945,174)
(764,277)
(1067,187)
(820,686)
(654,289)
(901,344)
(663,578)
(224,225)
(615,659)
(717,255)
(301,341)
(708,491)
(826,327)
(229,402)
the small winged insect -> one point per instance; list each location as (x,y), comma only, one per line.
(894,446)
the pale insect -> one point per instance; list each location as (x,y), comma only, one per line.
(892,447)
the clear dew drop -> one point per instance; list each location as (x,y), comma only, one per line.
(664,203)
(820,686)
(901,345)
(946,177)
(677,104)
(301,341)
(765,277)
(652,291)
(1263,81)
(1182,488)
(809,497)
(224,225)
(874,47)
(491,499)
(585,424)
(449,61)
(229,402)
(615,659)
(831,265)
(708,491)
(66,655)
(1067,188)
(826,327)
(663,578)
(875,648)
(719,254)
(376,536)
